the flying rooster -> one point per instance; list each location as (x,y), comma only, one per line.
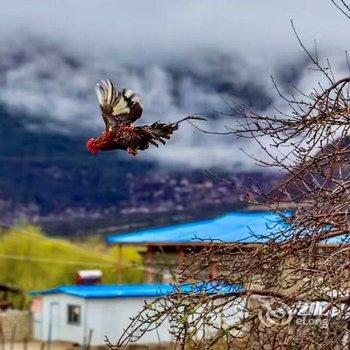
(120,109)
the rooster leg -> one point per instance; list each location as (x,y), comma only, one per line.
(132,151)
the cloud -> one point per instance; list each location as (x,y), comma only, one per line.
(153,27)
(182,57)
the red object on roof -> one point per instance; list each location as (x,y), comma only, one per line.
(88,277)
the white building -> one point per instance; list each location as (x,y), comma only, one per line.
(85,314)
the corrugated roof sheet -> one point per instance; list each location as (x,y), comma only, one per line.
(135,290)
(230,228)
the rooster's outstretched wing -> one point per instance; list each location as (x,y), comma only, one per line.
(118,107)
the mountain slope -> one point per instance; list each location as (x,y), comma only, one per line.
(54,171)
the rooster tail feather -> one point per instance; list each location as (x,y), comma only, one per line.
(160,132)
(191,117)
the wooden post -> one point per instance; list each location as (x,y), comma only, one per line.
(149,265)
(120,264)
(13,337)
(88,345)
(25,343)
(213,268)
(180,262)
(181,257)
(2,336)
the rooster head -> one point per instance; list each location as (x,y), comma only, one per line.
(91,146)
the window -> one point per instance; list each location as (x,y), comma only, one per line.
(74,314)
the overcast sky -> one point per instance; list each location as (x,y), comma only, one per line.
(109,35)
(253,27)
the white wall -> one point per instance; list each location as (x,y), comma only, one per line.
(105,317)
(61,330)
(108,317)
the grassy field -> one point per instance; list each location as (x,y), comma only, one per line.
(32,261)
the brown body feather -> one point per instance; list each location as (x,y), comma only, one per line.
(119,111)
(134,138)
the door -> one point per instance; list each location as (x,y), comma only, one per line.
(54,321)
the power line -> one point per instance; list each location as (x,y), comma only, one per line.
(72,262)
(134,265)
(53,261)
(58,241)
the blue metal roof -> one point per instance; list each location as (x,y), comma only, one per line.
(229,228)
(136,290)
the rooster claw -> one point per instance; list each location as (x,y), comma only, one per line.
(132,151)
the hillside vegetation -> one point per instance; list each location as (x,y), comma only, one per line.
(32,261)
(54,171)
